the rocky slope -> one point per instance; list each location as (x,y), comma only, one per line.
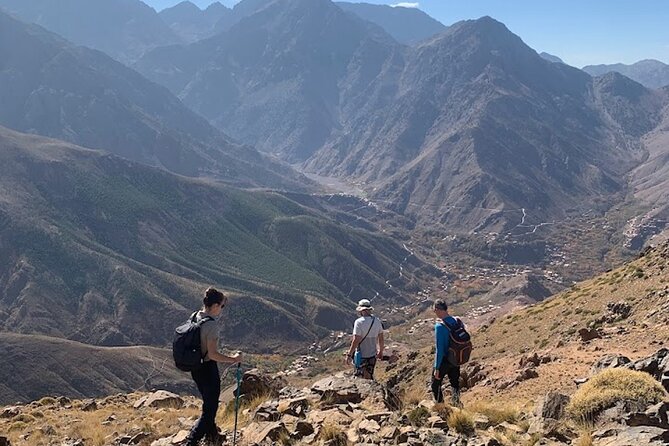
(651,73)
(406,25)
(466,129)
(124,29)
(94,247)
(52,88)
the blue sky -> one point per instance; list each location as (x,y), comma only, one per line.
(581,32)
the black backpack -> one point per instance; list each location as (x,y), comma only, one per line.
(186,347)
(460,343)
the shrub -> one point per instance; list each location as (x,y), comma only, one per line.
(611,386)
(418,416)
(334,435)
(461,422)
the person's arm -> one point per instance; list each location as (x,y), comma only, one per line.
(381,341)
(215,355)
(441,340)
(355,342)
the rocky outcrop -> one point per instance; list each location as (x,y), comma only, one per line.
(160,399)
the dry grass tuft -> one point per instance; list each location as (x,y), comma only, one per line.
(461,422)
(496,413)
(333,435)
(610,387)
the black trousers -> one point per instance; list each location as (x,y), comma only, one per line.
(208,382)
(446,369)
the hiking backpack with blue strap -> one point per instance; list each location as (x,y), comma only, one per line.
(460,342)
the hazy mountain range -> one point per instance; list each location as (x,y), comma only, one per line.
(651,73)
(460,128)
(55,89)
(101,250)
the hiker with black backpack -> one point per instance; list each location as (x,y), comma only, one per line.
(453,347)
(195,349)
(367,334)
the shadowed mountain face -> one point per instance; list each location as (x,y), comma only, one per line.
(36,366)
(465,129)
(52,88)
(191,23)
(275,77)
(406,25)
(650,73)
(97,249)
(124,29)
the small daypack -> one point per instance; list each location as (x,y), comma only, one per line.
(186,348)
(460,343)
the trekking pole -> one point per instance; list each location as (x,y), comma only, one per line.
(237,394)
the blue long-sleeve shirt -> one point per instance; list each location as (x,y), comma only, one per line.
(442,339)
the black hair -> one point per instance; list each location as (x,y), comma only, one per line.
(212,296)
(440,304)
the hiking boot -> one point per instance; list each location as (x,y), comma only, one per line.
(455,398)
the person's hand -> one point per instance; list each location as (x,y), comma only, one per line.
(236,358)
(379,356)
(348,360)
(437,375)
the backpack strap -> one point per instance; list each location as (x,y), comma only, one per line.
(370,329)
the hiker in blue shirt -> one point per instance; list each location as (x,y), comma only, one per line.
(442,366)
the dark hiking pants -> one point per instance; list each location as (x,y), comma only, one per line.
(208,382)
(366,369)
(446,369)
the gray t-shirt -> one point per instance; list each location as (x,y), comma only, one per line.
(360,328)
(208,331)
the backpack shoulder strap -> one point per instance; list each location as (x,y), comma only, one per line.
(370,329)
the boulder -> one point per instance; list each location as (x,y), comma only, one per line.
(627,436)
(657,415)
(526,374)
(436,422)
(160,399)
(588,334)
(255,384)
(89,406)
(369,427)
(10,412)
(609,362)
(656,365)
(553,406)
(258,433)
(296,407)
(302,429)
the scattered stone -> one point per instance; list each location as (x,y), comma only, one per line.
(302,429)
(657,415)
(637,436)
(258,432)
(389,432)
(471,375)
(588,334)
(160,399)
(369,426)
(609,362)
(255,384)
(511,427)
(180,437)
(436,422)
(553,406)
(47,430)
(295,407)
(526,374)
(89,406)
(656,365)
(481,421)
(64,401)
(10,412)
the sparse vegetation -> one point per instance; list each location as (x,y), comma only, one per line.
(495,413)
(418,416)
(611,386)
(461,422)
(333,434)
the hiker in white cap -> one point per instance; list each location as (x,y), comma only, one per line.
(367,336)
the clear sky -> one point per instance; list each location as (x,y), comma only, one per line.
(581,32)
